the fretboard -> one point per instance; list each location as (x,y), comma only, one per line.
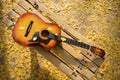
(76,43)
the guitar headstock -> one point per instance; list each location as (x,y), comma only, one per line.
(98,51)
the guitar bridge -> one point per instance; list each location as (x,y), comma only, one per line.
(28,29)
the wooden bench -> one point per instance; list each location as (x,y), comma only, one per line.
(77,63)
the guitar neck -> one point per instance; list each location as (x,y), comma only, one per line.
(93,49)
(76,43)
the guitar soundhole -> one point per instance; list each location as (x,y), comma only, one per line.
(45,33)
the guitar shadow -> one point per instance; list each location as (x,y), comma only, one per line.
(4,73)
(37,73)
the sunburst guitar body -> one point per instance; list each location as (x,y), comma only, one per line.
(30,23)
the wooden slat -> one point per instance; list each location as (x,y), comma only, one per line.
(13,16)
(65,27)
(74,63)
(29,8)
(8,21)
(97,60)
(18,9)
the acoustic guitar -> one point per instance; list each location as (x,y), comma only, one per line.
(31,29)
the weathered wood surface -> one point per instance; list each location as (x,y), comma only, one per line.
(77,65)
